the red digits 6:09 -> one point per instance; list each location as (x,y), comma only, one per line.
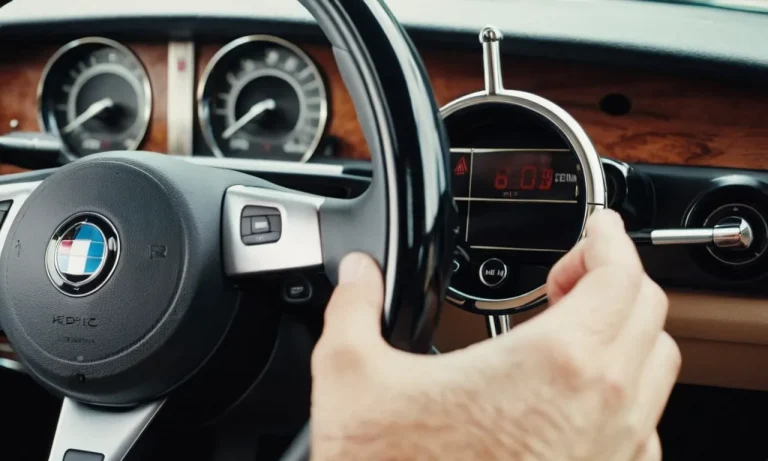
(529,178)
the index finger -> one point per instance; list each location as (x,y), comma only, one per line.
(606,243)
(610,243)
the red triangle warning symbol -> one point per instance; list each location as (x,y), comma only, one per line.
(461,168)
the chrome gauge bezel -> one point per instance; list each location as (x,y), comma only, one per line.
(595,193)
(203,114)
(144,115)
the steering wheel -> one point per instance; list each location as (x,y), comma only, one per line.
(120,273)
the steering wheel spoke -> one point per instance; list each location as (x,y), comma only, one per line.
(266,230)
(89,433)
(12,197)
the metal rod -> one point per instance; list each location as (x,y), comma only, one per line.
(730,233)
(490,37)
(498,325)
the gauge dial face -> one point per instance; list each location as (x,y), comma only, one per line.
(262,97)
(95,95)
(521,194)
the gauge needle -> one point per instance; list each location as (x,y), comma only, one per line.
(95,109)
(253,112)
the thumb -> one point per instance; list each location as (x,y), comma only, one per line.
(354,312)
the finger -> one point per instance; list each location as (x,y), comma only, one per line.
(603,297)
(646,322)
(651,451)
(606,244)
(353,315)
(610,244)
(352,331)
(658,377)
(566,273)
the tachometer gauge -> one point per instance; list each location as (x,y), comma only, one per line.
(262,97)
(95,95)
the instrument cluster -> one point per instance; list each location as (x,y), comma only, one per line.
(259,97)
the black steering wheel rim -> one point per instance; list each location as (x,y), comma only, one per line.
(406,220)
(400,118)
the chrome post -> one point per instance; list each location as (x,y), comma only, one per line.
(498,325)
(490,37)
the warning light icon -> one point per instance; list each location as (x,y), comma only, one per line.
(461,168)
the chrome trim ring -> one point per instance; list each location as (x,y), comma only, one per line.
(582,146)
(203,114)
(144,115)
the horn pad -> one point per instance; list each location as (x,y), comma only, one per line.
(112,289)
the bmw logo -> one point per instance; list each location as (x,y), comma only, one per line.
(82,254)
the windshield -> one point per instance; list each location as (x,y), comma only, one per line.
(743,5)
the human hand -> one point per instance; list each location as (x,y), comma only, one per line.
(586,380)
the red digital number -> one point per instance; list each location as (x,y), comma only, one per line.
(547,175)
(502,179)
(528,177)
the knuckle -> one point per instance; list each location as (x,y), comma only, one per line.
(659,298)
(648,449)
(672,352)
(337,356)
(567,359)
(615,390)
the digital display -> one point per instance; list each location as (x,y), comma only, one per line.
(521,194)
(516,174)
(519,200)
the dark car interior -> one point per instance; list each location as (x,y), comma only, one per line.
(255,143)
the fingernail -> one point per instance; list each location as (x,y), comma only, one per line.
(353,267)
(613,216)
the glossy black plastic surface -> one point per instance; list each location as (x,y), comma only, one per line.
(408,205)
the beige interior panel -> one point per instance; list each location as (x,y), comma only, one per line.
(723,339)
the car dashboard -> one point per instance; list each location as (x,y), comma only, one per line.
(680,127)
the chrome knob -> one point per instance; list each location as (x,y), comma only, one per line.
(491,34)
(733,232)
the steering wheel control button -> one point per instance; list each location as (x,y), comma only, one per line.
(251,211)
(493,273)
(77,455)
(297,289)
(275,223)
(262,239)
(4,207)
(259,225)
(245,227)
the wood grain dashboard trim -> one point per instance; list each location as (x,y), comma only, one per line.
(674,119)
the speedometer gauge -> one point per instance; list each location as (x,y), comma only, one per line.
(95,95)
(262,97)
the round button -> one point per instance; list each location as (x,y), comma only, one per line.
(493,272)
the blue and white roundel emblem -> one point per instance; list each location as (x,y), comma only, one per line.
(82,254)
